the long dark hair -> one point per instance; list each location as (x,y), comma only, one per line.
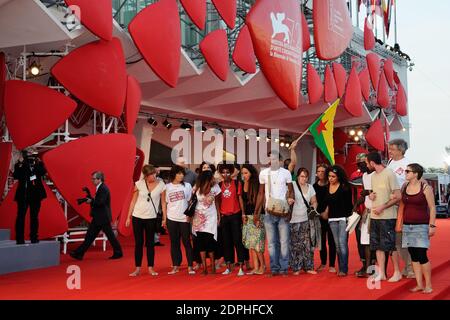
(176,170)
(253,183)
(340,174)
(205,181)
(211,166)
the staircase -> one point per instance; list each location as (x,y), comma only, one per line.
(14,258)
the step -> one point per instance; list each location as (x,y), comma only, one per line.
(15,258)
(5,234)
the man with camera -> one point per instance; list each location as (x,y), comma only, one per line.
(29,170)
(101,218)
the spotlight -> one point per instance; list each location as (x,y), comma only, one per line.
(404,129)
(360,133)
(268,139)
(287,145)
(152,121)
(167,124)
(186,126)
(356,138)
(35,69)
(258,138)
(282,144)
(247,137)
(277,140)
(352,132)
(204,129)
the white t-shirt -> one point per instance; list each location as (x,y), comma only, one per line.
(144,209)
(299,212)
(399,167)
(367,182)
(278,180)
(205,217)
(177,197)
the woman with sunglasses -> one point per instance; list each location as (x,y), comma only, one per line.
(339,208)
(417,213)
(147,195)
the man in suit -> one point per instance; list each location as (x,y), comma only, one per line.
(101,219)
(29,170)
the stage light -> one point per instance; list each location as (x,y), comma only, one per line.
(404,129)
(356,138)
(35,69)
(204,129)
(186,126)
(360,133)
(167,124)
(277,140)
(287,145)
(282,144)
(352,132)
(152,121)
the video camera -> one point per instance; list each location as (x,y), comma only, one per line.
(85,199)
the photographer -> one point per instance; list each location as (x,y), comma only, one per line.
(29,170)
(101,218)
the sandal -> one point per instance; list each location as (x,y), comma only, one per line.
(416,289)
(427,290)
(174,270)
(311,272)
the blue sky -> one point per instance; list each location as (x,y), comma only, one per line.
(423,33)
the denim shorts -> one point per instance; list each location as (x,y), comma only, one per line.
(415,236)
(382,234)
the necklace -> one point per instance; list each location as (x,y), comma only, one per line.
(227,192)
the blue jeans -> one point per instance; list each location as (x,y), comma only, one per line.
(277,233)
(341,240)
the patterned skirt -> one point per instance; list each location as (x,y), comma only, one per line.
(301,256)
(254,237)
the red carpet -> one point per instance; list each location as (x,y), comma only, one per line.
(105,279)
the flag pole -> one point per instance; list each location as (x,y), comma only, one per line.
(298,139)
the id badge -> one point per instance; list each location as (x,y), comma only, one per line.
(32,178)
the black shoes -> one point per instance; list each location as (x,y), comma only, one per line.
(35,241)
(159,244)
(19,242)
(76,256)
(116,256)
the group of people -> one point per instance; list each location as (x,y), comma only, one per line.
(237,208)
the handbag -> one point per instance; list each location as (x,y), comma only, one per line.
(190,210)
(310,211)
(277,207)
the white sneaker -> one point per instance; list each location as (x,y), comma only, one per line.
(241,272)
(227,271)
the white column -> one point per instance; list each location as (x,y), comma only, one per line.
(143,132)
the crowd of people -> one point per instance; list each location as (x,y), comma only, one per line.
(237,209)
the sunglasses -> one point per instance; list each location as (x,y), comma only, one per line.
(148,197)
(408,171)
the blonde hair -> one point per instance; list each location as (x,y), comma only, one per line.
(148,170)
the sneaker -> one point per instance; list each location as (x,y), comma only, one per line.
(226,272)
(241,272)
(332,270)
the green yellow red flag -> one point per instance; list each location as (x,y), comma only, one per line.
(322,131)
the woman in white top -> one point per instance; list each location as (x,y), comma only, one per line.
(147,195)
(301,251)
(206,217)
(178,193)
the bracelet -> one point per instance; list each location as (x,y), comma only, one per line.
(432,226)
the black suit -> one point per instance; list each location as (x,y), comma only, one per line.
(101,220)
(30,193)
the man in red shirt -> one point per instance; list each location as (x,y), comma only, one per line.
(231,218)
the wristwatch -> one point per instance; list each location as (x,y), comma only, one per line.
(432,226)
